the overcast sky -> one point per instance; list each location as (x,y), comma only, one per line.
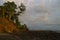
(39,12)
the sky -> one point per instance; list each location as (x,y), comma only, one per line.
(40,13)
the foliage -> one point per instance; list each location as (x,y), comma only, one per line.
(12,7)
(1,15)
(22,7)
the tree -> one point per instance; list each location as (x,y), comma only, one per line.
(22,7)
(11,6)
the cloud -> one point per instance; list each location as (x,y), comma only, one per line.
(1,2)
(10,0)
(40,19)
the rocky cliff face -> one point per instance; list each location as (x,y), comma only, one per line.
(8,26)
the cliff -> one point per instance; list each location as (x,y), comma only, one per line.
(8,26)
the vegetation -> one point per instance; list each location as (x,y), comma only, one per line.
(11,12)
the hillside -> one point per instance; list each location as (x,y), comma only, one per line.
(7,26)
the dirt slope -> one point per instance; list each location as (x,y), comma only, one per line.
(7,26)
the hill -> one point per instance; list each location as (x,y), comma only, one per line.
(7,26)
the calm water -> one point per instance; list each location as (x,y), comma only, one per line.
(53,27)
